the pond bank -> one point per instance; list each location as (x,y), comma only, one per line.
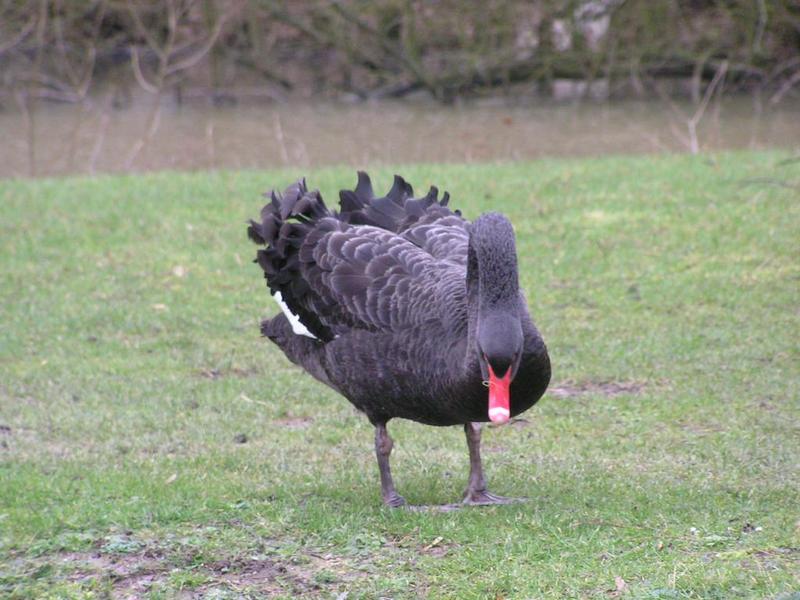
(97,138)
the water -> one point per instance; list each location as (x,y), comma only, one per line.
(66,139)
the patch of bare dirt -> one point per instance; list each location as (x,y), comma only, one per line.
(131,575)
(307,575)
(214,374)
(134,575)
(763,560)
(700,429)
(264,575)
(601,388)
(24,440)
(775,558)
(294,422)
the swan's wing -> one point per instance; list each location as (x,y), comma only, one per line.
(426,222)
(336,276)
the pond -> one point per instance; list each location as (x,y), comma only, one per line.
(79,139)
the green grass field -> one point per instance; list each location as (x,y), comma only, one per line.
(153,446)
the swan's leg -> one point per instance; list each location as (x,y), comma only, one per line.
(383,448)
(476,487)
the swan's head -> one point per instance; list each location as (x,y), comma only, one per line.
(493,284)
(499,353)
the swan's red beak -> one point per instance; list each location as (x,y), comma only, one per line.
(499,406)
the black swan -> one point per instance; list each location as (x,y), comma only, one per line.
(404,308)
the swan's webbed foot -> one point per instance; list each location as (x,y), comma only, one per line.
(394,500)
(486,498)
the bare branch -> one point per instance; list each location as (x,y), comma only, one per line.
(83,86)
(17,39)
(23,104)
(137,71)
(718,77)
(278,12)
(415,68)
(137,20)
(784,89)
(192,60)
(154,120)
(760,26)
(105,120)
(279,136)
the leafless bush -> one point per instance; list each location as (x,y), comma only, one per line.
(64,50)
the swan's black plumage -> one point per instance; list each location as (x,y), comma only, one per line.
(408,303)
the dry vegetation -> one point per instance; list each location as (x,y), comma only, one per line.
(223,49)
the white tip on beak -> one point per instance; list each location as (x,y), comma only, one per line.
(499,415)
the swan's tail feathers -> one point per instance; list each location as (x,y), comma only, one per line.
(395,211)
(295,203)
(288,221)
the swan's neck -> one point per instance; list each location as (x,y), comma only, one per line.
(492,279)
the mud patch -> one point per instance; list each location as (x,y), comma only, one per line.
(700,429)
(130,576)
(763,560)
(26,441)
(600,388)
(776,558)
(4,430)
(215,374)
(304,574)
(264,575)
(294,422)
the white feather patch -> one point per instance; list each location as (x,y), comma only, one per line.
(294,320)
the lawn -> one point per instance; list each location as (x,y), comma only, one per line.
(152,445)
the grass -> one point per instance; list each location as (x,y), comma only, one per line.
(151,445)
